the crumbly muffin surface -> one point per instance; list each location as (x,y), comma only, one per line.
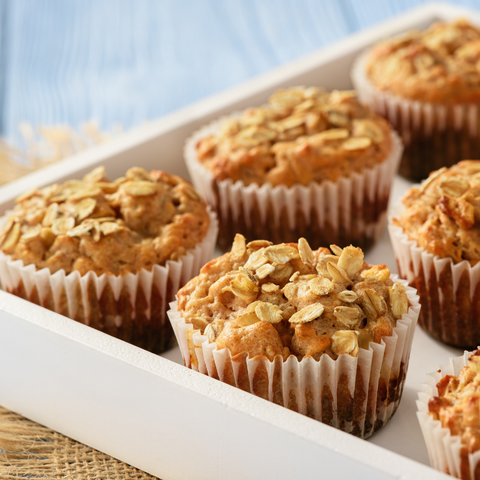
(438,65)
(457,405)
(443,214)
(286,299)
(115,227)
(303,135)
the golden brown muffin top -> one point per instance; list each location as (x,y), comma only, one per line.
(438,65)
(443,214)
(457,406)
(134,222)
(286,299)
(303,135)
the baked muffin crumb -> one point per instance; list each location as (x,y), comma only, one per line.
(438,65)
(114,227)
(282,300)
(303,135)
(443,214)
(457,405)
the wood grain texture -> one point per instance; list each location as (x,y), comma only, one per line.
(127,61)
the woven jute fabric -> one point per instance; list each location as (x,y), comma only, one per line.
(30,450)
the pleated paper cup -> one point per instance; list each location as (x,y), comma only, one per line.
(349,211)
(355,394)
(449,293)
(435,135)
(131,307)
(444,449)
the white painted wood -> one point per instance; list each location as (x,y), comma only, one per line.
(161,417)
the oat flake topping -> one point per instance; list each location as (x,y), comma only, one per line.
(443,214)
(438,65)
(303,135)
(289,300)
(93,224)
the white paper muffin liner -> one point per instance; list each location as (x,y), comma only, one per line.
(131,306)
(349,211)
(355,394)
(444,449)
(435,135)
(449,293)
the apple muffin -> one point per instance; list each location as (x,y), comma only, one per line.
(264,309)
(427,84)
(449,416)
(436,239)
(92,249)
(310,163)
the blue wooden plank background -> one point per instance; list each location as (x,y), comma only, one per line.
(126,61)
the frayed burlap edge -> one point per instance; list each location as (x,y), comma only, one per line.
(30,450)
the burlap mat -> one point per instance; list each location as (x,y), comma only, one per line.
(28,449)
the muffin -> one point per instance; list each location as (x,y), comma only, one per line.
(110,254)
(323,334)
(427,84)
(449,417)
(436,240)
(310,163)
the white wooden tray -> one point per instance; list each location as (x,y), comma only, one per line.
(157,415)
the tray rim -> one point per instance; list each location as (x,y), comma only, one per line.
(64,329)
